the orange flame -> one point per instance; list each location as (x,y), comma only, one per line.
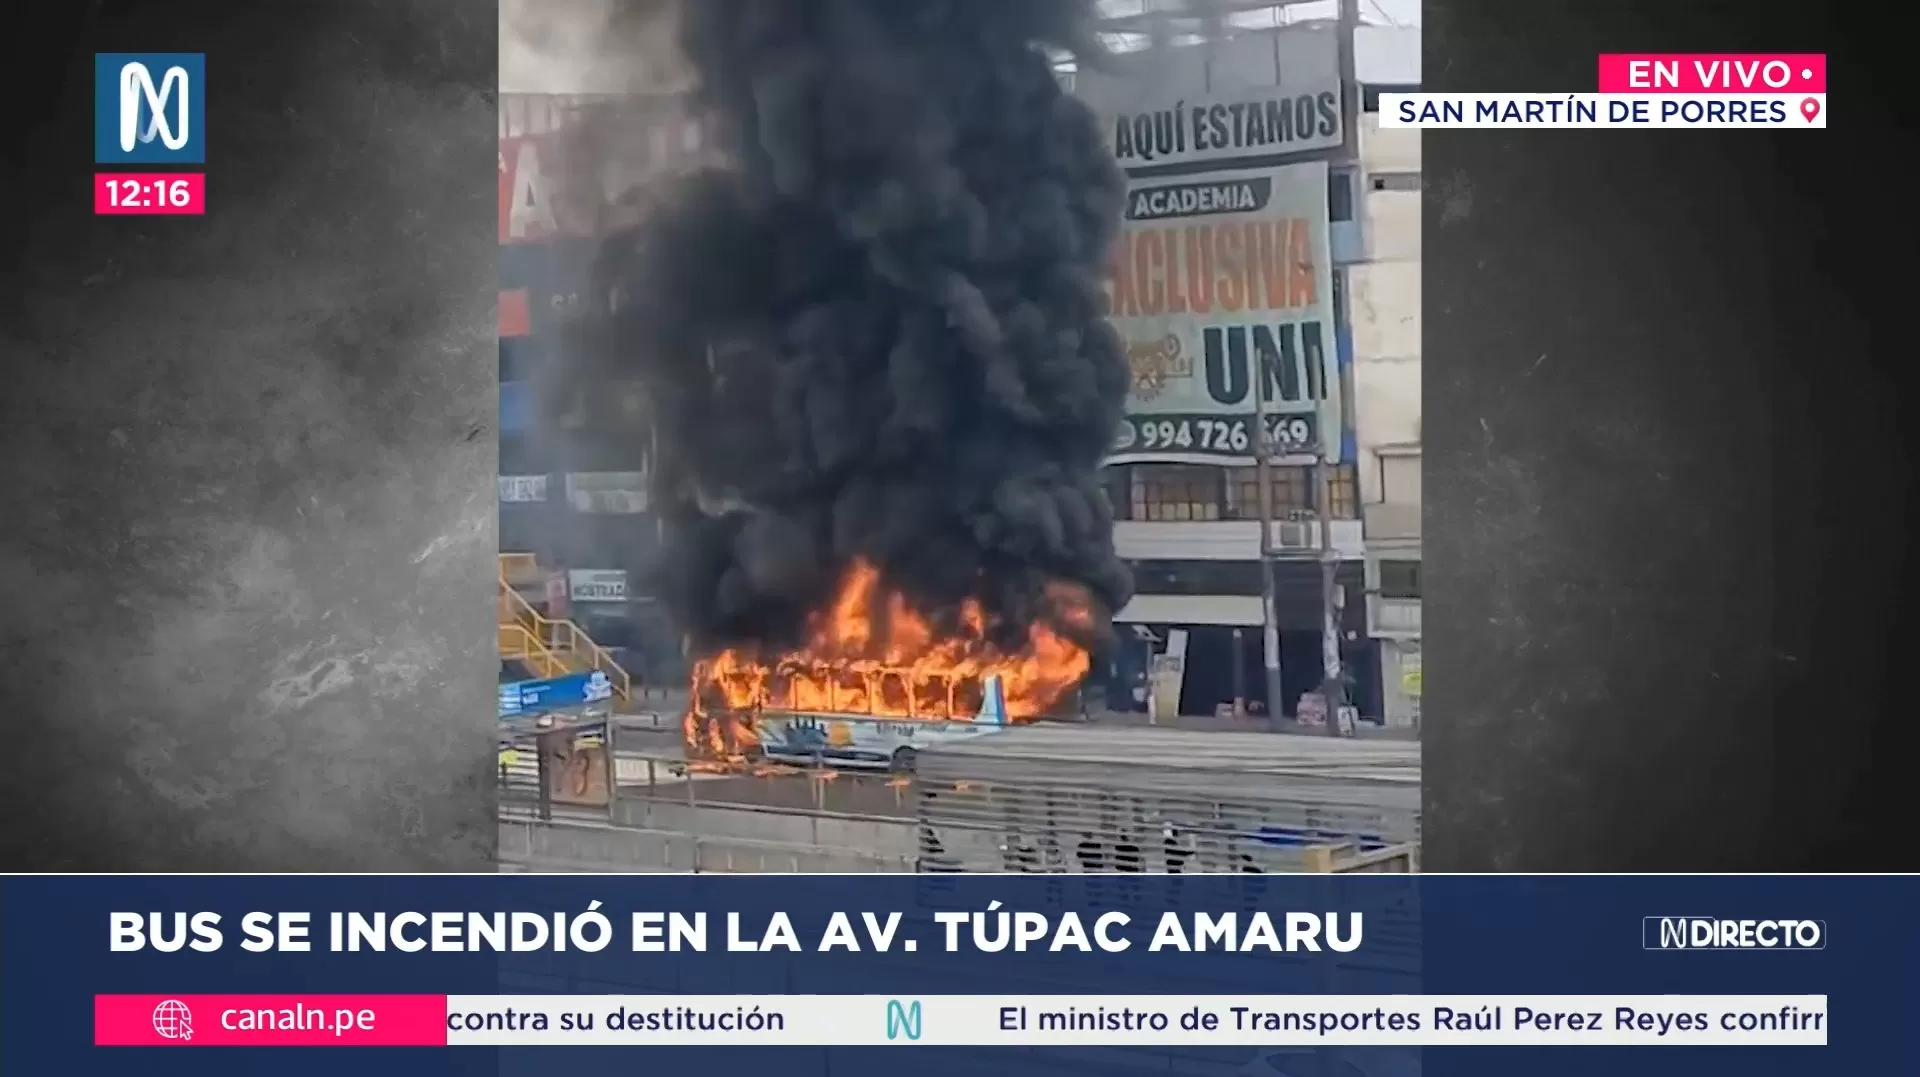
(871,654)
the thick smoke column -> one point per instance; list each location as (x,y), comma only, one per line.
(879,334)
(589,46)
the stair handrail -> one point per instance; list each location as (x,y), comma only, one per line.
(577,637)
(529,562)
(531,649)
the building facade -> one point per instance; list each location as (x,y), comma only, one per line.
(575,465)
(1250,123)
(1338,356)
(1386,334)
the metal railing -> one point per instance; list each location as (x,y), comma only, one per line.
(558,638)
(519,644)
(975,826)
(578,845)
(515,565)
(816,819)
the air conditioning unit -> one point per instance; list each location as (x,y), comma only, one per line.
(1296,535)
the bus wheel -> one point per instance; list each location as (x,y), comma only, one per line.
(904,760)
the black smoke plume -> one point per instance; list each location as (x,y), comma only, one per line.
(878,333)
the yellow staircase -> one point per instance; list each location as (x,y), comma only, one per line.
(548,647)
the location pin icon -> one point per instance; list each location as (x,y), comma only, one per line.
(1810,109)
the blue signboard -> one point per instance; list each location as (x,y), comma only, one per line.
(516,407)
(554,694)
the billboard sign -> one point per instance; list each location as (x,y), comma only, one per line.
(1221,284)
(554,184)
(1261,122)
(522,489)
(577,770)
(597,584)
(607,493)
(554,694)
(1251,98)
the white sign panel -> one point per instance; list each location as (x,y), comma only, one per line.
(522,489)
(597,585)
(1222,283)
(612,493)
(1255,123)
(1252,98)
(1410,673)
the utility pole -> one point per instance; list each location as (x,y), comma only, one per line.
(1332,686)
(1348,22)
(1269,601)
(1239,673)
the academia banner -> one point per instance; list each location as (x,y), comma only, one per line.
(1222,285)
(1006,975)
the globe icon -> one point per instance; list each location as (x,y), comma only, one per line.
(173,1021)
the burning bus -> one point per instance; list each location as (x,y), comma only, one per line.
(868,353)
(876,682)
(799,721)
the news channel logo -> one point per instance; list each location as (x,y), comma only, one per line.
(903,1020)
(1730,933)
(149,108)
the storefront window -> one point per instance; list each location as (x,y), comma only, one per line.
(1194,492)
(1293,492)
(1399,579)
(520,358)
(1344,486)
(1175,492)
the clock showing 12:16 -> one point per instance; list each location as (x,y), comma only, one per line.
(148,193)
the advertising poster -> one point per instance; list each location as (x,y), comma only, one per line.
(608,493)
(522,489)
(1222,284)
(1257,97)
(1255,122)
(554,184)
(597,584)
(554,694)
(576,771)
